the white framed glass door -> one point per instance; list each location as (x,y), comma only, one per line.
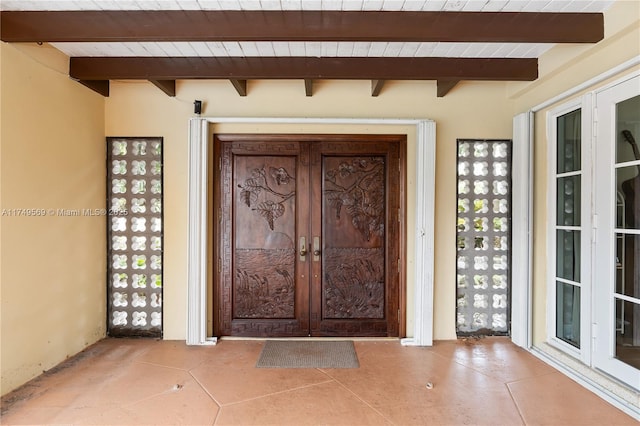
(616,222)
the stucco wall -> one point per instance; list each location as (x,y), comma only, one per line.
(471,110)
(52,269)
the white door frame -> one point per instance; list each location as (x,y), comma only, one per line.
(604,315)
(197,222)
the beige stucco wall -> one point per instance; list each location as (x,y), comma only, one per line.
(52,268)
(562,69)
(478,110)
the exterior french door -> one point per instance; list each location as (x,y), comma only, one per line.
(307,238)
(617,241)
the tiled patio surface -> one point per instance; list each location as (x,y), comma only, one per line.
(135,382)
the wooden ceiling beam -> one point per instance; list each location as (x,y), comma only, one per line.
(167,86)
(99,86)
(308,87)
(240,86)
(376,87)
(386,26)
(444,86)
(248,68)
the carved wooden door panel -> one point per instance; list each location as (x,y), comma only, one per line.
(355,273)
(307,236)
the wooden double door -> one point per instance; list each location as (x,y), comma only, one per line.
(308,235)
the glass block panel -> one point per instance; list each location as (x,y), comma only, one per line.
(119,280)
(500,169)
(138,205)
(483,237)
(480,149)
(568,255)
(138,186)
(139,281)
(568,201)
(119,148)
(138,243)
(568,313)
(481,206)
(139,167)
(156,243)
(462,243)
(156,205)
(464,149)
(119,167)
(135,236)
(463,187)
(480,187)
(156,186)
(463,168)
(119,186)
(156,167)
(480,168)
(118,204)
(156,224)
(119,242)
(139,148)
(156,281)
(569,142)
(500,205)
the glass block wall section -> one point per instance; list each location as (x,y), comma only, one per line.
(483,237)
(135,236)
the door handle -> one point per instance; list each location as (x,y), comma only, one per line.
(316,249)
(303,249)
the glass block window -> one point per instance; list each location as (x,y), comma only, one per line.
(483,237)
(135,236)
(568,183)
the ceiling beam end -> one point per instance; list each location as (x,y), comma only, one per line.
(167,86)
(376,87)
(444,86)
(99,86)
(240,86)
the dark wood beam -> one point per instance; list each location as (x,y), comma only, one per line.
(207,25)
(247,68)
(167,86)
(444,86)
(240,86)
(308,87)
(376,87)
(98,86)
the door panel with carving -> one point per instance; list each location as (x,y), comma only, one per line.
(308,238)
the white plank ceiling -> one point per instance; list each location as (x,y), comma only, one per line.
(311,49)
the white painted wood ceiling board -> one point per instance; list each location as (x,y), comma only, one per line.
(299,48)
(375,5)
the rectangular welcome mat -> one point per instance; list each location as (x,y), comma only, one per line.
(308,354)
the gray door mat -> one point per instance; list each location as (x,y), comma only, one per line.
(308,354)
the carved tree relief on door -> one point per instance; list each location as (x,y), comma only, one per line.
(354,203)
(307,238)
(264,256)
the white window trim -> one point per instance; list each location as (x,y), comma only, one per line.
(582,103)
(521,226)
(197,221)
